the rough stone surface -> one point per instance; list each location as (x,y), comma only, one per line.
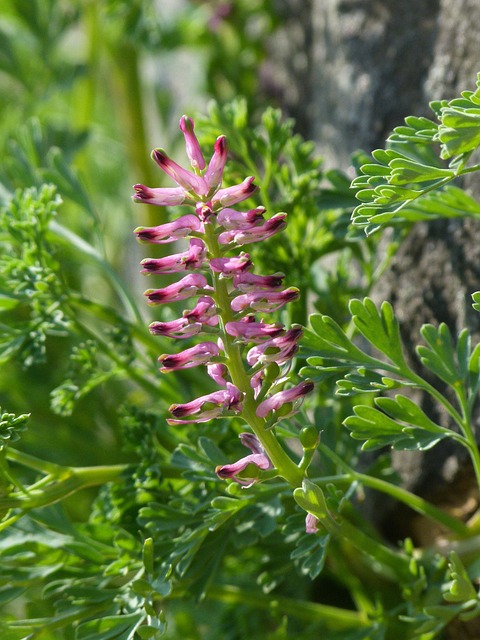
(349,71)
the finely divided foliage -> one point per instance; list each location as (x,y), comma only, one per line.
(409,181)
(244,467)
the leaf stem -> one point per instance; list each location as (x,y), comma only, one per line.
(333,617)
(63,481)
(416,503)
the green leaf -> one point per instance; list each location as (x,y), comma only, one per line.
(11,426)
(403,409)
(310,497)
(459,131)
(448,202)
(393,187)
(441,357)
(366,381)
(408,428)
(107,627)
(461,588)
(476,300)
(380,328)
(328,340)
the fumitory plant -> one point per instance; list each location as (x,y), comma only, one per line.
(234,506)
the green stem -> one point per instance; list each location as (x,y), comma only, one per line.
(64,482)
(34,463)
(467,429)
(387,563)
(334,618)
(416,503)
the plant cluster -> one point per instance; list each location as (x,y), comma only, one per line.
(232,479)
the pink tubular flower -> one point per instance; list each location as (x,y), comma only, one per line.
(171,231)
(190,182)
(279,349)
(251,282)
(184,288)
(275,402)
(209,406)
(265,301)
(311,524)
(199,354)
(214,172)
(180,328)
(194,152)
(258,457)
(232,195)
(231,266)
(250,331)
(162,197)
(231,219)
(255,234)
(205,311)
(177,262)
(256,382)
(218,373)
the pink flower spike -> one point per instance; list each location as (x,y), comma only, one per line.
(184,288)
(258,457)
(214,172)
(250,282)
(256,234)
(210,405)
(199,354)
(275,402)
(279,350)
(185,179)
(264,301)
(311,524)
(180,328)
(177,262)
(194,152)
(231,219)
(231,195)
(252,331)
(205,312)
(231,266)
(171,231)
(162,197)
